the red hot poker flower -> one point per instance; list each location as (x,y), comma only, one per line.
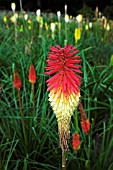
(17,82)
(32,74)
(84,120)
(86,126)
(76,141)
(63,66)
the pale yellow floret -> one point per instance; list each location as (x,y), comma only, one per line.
(63,106)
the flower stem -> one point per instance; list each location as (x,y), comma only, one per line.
(63,160)
(65,41)
(15,27)
(22,117)
(21,6)
(15,32)
(59,32)
(33,98)
(76,119)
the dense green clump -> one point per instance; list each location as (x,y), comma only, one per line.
(31,46)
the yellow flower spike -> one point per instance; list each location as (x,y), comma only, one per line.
(107,27)
(13,6)
(5,19)
(71,17)
(77,34)
(53,27)
(79,18)
(13,19)
(46,26)
(40,20)
(38,12)
(25,16)
(86,27)
(90,24)
(66,18)
(29,21)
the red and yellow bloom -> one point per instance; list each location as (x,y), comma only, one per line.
(64,85)
(32,74)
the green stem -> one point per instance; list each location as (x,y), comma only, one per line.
(39,30)
(65,41)
(85,79)
(59,31)
(21,6)
(15,32)
(15,25)
(63,160)
(22,117)
(33,99)
(76,120)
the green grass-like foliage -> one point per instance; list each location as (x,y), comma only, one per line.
(42,151)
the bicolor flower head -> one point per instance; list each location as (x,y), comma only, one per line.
(76,141)
(17,82)
(63,66)
(32,74)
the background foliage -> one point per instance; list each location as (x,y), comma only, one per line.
(42,151)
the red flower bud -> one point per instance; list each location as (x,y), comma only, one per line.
(17,81)
(32,74)
(86,126)
(76,141)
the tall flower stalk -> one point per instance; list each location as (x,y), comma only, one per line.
(21,6)
(63,87)
(17,85)
(32,80)
(13,6)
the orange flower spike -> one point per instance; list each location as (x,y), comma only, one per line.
(17,82)
(76,141)
(32,74)
(84,120)
(86,126)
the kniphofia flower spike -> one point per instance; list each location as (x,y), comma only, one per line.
(17,82)
(76,141)
(32,74)
(84,120)
(63,66)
